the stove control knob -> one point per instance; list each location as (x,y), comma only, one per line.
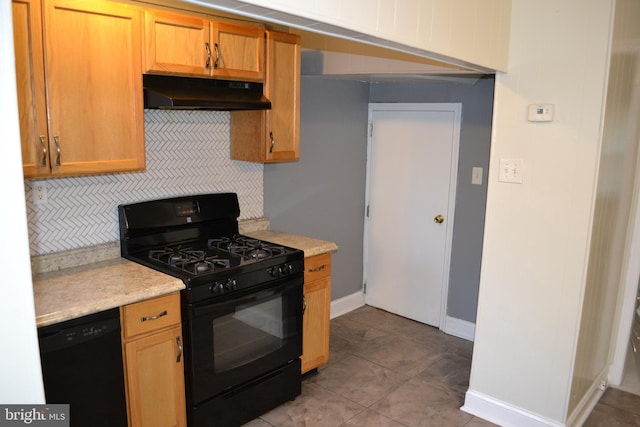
(230,285)
(217,288)
(275,272)
(283,270)
(286,269)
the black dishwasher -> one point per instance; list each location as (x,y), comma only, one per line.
(82,366)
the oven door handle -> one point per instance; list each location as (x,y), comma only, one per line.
(205,308)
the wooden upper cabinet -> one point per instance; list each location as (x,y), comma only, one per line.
(92,75)
(191,45)
(238,51)
(32,104)
(283,89)
(94,84)
(273,135)
(176,43)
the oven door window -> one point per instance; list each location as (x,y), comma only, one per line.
(239,340)
(252,332)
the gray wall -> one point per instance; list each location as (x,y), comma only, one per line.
(322,195)
(475,140)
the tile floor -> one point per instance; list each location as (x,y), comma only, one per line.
(388,371)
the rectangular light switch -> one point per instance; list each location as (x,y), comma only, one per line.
(476,176)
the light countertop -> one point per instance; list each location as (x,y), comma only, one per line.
(78,291)
(309,245)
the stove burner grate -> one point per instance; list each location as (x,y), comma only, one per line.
(247,247)
(189,260)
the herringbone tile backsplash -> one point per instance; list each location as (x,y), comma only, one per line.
(187,153)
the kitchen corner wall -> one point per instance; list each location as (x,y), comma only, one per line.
(187,153)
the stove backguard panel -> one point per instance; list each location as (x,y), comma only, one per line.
(187,153)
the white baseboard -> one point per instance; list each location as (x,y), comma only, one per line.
(346,304)
(589,401)
(459,328)
(502,413)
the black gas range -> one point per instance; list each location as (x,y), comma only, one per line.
(241,309)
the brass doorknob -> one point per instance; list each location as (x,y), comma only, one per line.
(439,219)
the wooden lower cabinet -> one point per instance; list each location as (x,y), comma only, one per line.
(315,323)
(154,363)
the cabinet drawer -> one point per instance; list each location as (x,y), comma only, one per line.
(150,315)
(317,267)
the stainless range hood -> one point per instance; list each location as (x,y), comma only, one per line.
(188,93)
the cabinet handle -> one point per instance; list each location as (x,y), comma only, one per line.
(273,142)
(216,63)
(157,316)
(179,342)
(56,140)
(43,146)
(208,48)
(315,270)
(304,304)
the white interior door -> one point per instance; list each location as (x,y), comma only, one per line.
(411,180)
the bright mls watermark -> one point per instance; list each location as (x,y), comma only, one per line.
(34,415)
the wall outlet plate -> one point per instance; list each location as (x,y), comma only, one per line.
(39,193)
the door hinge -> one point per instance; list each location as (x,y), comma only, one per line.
(367,213)
(370,129)
(364,288)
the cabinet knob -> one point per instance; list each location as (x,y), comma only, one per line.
(315,270)
(216,63)
(43,147)
(56,140)
(208,49)
(179,343)
(156,317)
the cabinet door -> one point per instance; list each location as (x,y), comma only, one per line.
(282,88)
(238,51)
(273,135)
(315,324)
(176,43)
(155,380)
(27,35)
(94,83)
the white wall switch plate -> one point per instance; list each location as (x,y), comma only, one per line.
(511,170)
(476,176)
(540,113)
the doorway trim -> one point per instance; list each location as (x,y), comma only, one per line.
(629,289)
(456,108)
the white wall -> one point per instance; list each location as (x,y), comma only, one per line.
(537,233)
(20,373)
